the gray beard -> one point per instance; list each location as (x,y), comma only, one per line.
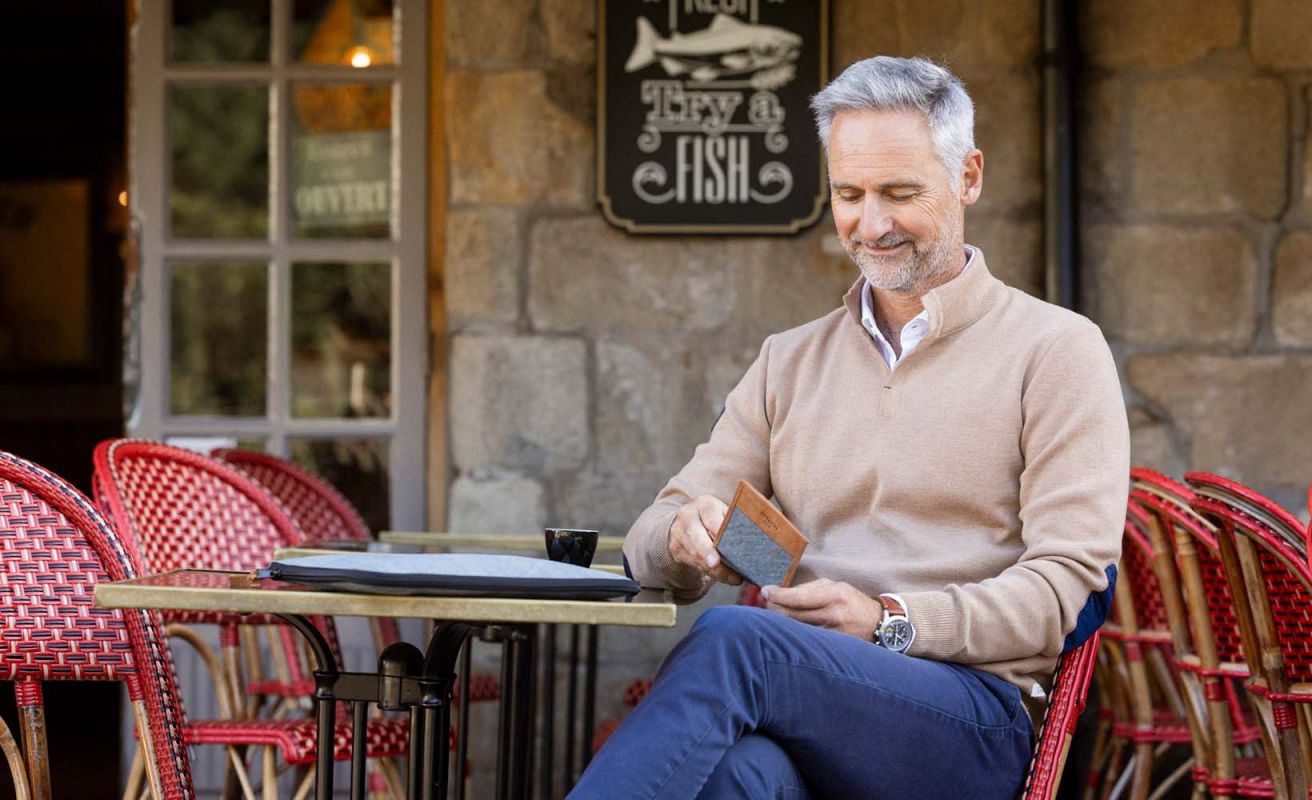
(915,273)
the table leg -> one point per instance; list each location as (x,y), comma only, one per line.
(462,727)
(571,707)
(548,712)
(325,706)
(414,773)
(439,673)
(359,720)
(590,694)
(522,646)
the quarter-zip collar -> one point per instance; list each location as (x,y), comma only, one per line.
(950,307)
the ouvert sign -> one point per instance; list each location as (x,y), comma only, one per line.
(704,125)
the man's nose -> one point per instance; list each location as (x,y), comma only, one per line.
(875,220)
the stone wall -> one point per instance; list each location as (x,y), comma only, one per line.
(1196,243)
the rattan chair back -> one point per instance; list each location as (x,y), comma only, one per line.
(1259,545)
(56,548)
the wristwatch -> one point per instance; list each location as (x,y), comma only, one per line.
(894,632)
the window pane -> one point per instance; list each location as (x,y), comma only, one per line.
(358,32)
(342,160)
(220,140)
(212,31)
(206,444)
(341,340)
(218,338)
(357,467)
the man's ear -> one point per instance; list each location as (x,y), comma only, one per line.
(972,177)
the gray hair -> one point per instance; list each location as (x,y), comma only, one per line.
(884,83)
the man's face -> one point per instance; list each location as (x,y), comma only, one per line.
(894,206)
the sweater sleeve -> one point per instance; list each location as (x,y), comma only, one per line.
(1073,489)
(738,449)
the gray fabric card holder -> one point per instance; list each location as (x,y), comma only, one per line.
(748,551)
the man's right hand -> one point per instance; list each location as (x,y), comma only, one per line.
(690,538)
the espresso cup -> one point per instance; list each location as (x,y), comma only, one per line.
(571,545)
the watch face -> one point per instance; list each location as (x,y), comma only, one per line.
(896,635)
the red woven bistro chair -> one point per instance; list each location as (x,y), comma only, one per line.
(186,510)
(1148,712)
(180,510)
(324,514)
(54,548)
(1212,661)
(1264,549)
(1052,741)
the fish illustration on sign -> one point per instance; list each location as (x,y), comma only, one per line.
(728,47)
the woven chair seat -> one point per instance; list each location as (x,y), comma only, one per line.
(295,739)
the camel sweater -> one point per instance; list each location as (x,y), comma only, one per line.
(984,480)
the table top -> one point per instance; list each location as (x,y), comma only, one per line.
(501,542)
(241,592)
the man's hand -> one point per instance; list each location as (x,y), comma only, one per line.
(690,538)
(829,604)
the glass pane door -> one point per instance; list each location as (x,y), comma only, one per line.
(278,167)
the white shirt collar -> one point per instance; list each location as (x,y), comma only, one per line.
(911,334)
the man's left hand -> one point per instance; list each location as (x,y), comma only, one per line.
(829,604)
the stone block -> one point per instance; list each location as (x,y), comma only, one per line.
(1280,34)
(966,34)
(608,500)
(511,144)
(784,282)
(1158,33)
(482,264)
(490,501)
(650,404)
(1165,284)
(570,27)
(1007,130)
(1209,145)
(481,36)
(518,402)
(1013,249)
(1237,413)
(586,275)
(1152,445)
(1292,293)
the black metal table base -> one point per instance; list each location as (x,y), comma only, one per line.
(421,683)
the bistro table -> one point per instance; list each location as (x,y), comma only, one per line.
(584,641)
(407,679)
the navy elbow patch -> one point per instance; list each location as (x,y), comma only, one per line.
(1094,613)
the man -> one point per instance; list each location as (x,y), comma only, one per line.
(956,451)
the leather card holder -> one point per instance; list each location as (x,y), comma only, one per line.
(757,541)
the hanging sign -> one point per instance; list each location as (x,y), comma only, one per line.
(703,125)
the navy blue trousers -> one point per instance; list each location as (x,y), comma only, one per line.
(754,705)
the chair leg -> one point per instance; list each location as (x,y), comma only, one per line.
(1143,771)
(392,777)
(303,790)
(32,728)
(239,768)
(17,770)
(270,773)
(136,775)
(146,747)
